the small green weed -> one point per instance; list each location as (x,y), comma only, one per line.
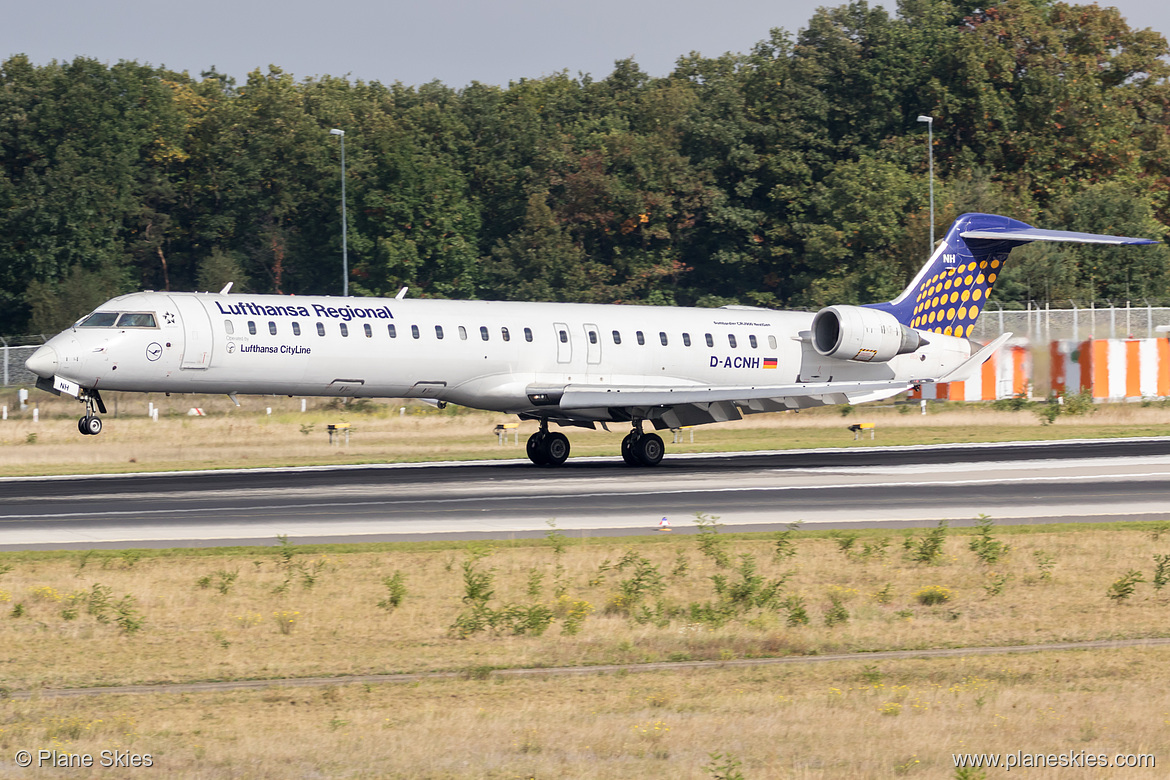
(1124,586)
(711,543)
(395,586)
(932,595)
(987,548)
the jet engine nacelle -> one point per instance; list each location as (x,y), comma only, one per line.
(858,333)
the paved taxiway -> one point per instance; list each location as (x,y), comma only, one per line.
(913,486)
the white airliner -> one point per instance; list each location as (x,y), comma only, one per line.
(563,363)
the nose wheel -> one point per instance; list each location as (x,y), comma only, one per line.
(91,424)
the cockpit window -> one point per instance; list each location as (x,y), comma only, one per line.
(100,319)
(136,320)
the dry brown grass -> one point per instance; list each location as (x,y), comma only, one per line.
(837,720)
(195,632)
(824,721)
(248,437)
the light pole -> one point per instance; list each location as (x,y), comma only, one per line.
(344,222)
(930,158)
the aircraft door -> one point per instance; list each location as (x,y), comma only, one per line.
(592,344)
(197,341)
(564,342)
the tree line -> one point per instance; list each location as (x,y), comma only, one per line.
(791,175)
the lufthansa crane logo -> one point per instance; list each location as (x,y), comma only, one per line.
(153,351)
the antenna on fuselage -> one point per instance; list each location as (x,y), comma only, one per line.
(401,294)
(226,288)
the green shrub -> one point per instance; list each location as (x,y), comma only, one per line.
(987,549)
(932,595)
(928,549)
(395,586)
(837,613)
(785,548)
(711,543)
(1161,571)
(797,610)
(1124,587)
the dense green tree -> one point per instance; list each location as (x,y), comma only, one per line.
(792,174)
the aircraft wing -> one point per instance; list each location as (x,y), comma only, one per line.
(594,397)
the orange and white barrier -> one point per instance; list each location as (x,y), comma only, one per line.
(1006,374)
(1112,369)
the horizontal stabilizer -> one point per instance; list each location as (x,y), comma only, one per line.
(1036,234)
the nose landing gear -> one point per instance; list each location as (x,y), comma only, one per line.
(91,424)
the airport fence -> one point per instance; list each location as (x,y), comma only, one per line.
(14,350)
(1041,323)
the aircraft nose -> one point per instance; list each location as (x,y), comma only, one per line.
(43,362)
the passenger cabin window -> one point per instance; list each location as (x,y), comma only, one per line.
(344,329)
(414,331)
(528,334)
(101,319)
(731,340)
(641,337)
(771,342)
(369,331)
(617,337)
(393,331)
(686,339)
(710,340)
(483,332)
(463,333)
(296,326)
(228,327)
(662,337)
(272,328)
(251,327)
(136,320)
(439,332)
(321,328)
(505,335)
(752,341)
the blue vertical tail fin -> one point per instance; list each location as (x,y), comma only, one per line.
(950,291)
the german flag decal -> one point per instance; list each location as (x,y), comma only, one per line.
(769,362)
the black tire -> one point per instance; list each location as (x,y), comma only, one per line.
(555,449)
(94,425)
(535,448)
(649,449)
(81,426)
(628,450)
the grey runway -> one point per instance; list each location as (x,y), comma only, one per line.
(1047,482)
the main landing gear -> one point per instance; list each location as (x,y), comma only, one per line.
(642,449)
(547,448)
(91,424)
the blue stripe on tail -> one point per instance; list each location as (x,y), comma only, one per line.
(950,291)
